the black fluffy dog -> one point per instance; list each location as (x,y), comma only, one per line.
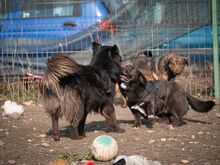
(161,98)
(73,90)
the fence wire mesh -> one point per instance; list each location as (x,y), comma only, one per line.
(32,31)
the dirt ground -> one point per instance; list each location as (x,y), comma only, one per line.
(23,140)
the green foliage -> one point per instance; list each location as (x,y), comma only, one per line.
(74,156)
(119,100)
(18,92)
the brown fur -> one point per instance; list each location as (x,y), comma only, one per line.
(165,67)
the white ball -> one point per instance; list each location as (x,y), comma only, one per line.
(104,148)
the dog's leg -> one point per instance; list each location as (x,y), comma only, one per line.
(81,126)
(137,117)
(74,132)
(151,106)
(178,121)
(110,117)
(124,102)
(165,118)
(55,128)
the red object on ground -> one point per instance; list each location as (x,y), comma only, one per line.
(90,162)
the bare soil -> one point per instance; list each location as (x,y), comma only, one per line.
(197,143)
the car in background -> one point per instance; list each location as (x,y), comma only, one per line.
(160,26)
(37,26)
(53,25)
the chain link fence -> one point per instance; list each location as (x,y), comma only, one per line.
(32,31)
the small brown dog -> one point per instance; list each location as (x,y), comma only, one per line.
(165,67)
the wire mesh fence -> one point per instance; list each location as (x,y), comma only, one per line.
(32,31)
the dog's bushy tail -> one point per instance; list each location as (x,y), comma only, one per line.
(57,67)
(198,105)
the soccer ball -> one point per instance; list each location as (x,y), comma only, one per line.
(104,148)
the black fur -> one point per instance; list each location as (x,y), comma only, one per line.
(167,97)
(73,90)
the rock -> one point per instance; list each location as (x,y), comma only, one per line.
(15,115)
(207,163)
(1,143)
(171,127)
(151,141)
(42,136)
(172,139)
(163,139)
(184,161)
(28,103)
(193,136)
(150,131)
(218,115)
(45,144)
(11,162)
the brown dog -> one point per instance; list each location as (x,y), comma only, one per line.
(165,67)
(159,97)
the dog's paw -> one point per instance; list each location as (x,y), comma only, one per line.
(135,127)
(178,123)
(82,134)
(76,137)
(56,137)
(120,130)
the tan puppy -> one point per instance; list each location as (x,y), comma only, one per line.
(165,67)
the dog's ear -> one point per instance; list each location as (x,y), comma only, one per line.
(95,46)
(115,49)
(185,60)
(167,58)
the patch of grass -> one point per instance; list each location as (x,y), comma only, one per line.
(16,91)
(119,100)
(75,156)
(22,95)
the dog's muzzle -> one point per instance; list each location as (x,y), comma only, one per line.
(124,77)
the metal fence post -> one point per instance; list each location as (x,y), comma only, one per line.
(215,47)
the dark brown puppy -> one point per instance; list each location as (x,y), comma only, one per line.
(170,99)
(73,90)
